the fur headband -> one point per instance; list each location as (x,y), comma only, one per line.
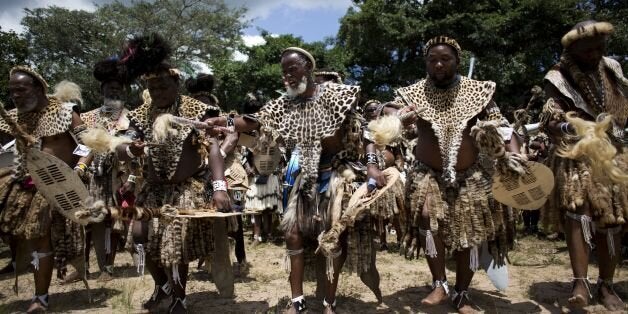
(445,41)
(32,73)
(587,31)
(302,52)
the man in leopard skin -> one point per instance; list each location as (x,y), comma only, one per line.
(319,124)
(53,126)
(592,212)
(107,175)
(449,192)
(175,176)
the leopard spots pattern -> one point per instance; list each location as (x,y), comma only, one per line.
(304,123)
(165,159)
(55,119)
(449,111)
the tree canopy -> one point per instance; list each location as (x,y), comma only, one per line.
(515,42)
(379,44)
(65,44)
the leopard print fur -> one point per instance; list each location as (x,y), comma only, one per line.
(304,124)
(55,119)
(165,159)
(449,111)
(95,119)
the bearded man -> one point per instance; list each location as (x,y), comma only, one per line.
(591,209)
(319,125)
(176,174)
(45,123)
(449,192)
(111,181)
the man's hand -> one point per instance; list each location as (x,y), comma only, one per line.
(215,126)
(230,141)
(222,201)
(137,148)
(409,115)
(127,187)
(374,173)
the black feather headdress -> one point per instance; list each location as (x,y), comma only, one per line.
(145,54)
(108,70)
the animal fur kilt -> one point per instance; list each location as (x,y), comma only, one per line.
(27,215)
(313,217)
(101,186)
(463,214)
(575,189)
(173,241)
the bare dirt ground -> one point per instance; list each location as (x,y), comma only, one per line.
(539,283)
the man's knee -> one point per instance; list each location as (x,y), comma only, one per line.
(292,237)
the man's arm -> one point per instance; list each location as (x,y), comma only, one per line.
(552,117)
(241,123)
(78,128)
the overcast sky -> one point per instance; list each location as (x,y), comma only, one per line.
(310,19)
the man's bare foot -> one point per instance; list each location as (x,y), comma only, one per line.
(178,307)
(437,296)
(38,305)
(607,296)
(105,276)
(464,304)
(467,309)
(73,277)
(579,294)
(159,294)
(296,307)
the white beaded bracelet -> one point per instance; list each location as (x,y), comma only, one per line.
(219,185)
(128,152)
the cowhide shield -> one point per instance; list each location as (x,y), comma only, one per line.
(529,191)
(267,161)
(7,155)
(57,182)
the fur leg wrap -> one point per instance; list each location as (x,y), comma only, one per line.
(610,238)
(141,258)
(474,259)
(585,221)
(430,246)
(176,278)
(37,256)
(330,265)
(287,266)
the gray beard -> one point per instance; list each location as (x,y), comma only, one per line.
(110,105)
(299,90)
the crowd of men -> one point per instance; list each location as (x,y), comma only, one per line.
(172,178)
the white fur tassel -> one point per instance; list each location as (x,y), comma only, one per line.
(474,259)
(67,91)
(430,246)
(162,128)
(385,129)
(100,141)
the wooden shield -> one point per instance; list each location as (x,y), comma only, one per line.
(57,182)
(529,191)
